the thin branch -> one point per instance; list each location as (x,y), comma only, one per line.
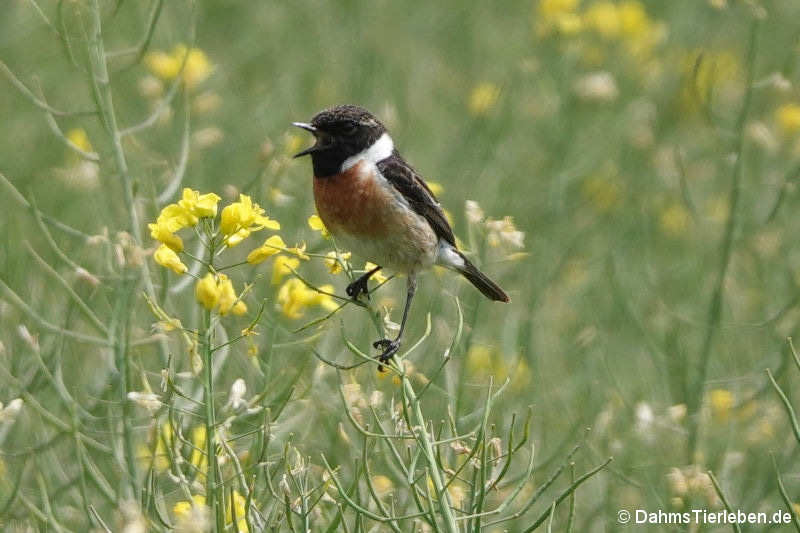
(20,304)
(83,306)
(44,106)
(175,183)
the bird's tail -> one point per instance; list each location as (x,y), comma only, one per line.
(489,288)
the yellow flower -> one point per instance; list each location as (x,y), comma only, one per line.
(603,193)
(199,205)
(166,66)
(174,217)
(228,300)
(550,8)
(166,257)
(520,376)
(207,292)
(788,118)
(382,484)
(378,277)
(315,223)
(633,18)
(282,266)
(182,509)
(79,138)
(479,359)
(271,246)
(558,15)
(435,187)
(197,67)
(162,65)
(674,220)
(218,292)
(241,218)
(704,72)
(159,457)
(333,261)
(604,18)
(721,402)
(198,458)
(239,508)
(298,251)
(483,98)
(161,233)
(294,297)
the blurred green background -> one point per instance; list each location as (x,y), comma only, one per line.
(611,132)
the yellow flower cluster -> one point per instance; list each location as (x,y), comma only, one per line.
(167,66)
(482,360)
(240,219)
(333,261)
(706,71)
(216,292)
(165,441)
(602,192)
(237,221)
(166,257)
(80,138)
(558,16)
(627,21)
(377,277)
(271,246)
(316,223)
(482,99)
(721,402)
(674,220)
(294,297)
(788,118)
(183,511)
(282,267)
(183,214)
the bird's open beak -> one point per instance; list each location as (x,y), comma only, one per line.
(306,126)
(312,129)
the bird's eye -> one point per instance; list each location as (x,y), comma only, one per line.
(349,128)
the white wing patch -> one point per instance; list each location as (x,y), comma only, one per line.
(378,151)
(447,256)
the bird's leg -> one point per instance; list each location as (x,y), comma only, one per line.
(360,285)
(389,346)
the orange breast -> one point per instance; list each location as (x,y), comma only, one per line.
(354,202)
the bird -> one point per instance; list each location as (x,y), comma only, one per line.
(376,205)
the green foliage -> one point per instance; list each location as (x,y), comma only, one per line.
(626,170)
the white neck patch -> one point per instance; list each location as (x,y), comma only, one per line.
(380,150)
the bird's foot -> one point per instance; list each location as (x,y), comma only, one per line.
(355,289)
(389,348)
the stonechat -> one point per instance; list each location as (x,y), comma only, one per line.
(376,205)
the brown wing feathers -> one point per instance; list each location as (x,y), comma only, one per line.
(406,180)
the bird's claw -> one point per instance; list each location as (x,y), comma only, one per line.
(355,289)
(389,348)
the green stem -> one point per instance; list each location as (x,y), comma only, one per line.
(215,498)
(101,86)
(213,488)
(119,332)
(424,438)
(715,307)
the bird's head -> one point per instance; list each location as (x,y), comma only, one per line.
(342,132)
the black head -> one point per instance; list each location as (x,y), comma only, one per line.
(341,132)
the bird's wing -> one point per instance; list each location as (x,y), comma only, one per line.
(413,188)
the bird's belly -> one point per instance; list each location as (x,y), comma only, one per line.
(369,218)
